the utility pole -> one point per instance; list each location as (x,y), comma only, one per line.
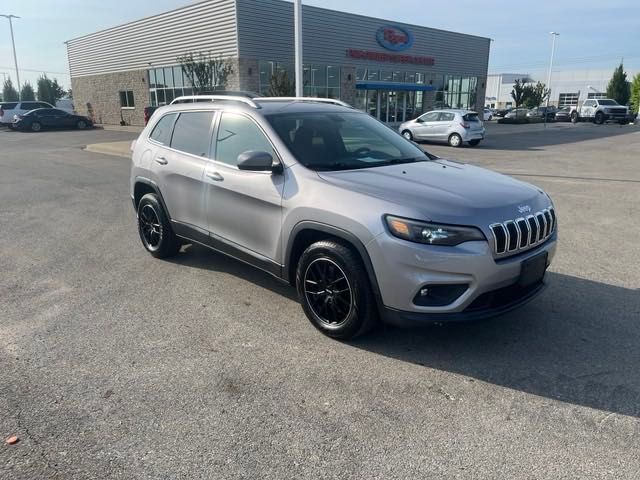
(13,43)
(553,50)
(297,20)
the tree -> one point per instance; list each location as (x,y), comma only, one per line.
(70,93)
(49,90)
(205,71)
(27,93)
(618,87)
(518,92)
(535,95)
(9,93)
(635,93)
(280,85)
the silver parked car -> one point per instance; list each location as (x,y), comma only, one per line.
(452,126)
(361,221)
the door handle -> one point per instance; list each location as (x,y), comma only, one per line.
(215,176)
(161,160)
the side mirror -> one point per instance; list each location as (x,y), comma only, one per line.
(419,120)
(255,161)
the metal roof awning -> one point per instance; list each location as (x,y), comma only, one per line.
(410,87)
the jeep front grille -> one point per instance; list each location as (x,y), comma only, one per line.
(512,236)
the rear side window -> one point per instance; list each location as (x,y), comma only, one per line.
(471,117)
(447,116)
(29,105)
(192,133)
(238,134)
(162,131)
(8,106)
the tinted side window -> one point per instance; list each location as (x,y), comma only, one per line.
(192,133)
(8,106)
(447,117)
(430,117)
(238,134)
(162,131)
(29,105)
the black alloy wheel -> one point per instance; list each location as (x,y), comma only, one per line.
(154,228)
(335,291)
(328,292)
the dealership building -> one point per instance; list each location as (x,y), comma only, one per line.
(392,70)
(568,87)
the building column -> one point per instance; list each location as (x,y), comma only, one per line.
(348,85)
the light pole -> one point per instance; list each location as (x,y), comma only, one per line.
(553,49)
(13,43)
(297,21)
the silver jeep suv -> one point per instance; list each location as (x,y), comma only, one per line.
(364,223)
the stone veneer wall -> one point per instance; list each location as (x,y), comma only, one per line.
(101,92)
(348,85)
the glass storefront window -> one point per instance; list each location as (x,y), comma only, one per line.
(373,75)
(333,76)
(152,79)
(419,77)
(398,76)
(168,77)
(177,77)
(361,73)
(386,75)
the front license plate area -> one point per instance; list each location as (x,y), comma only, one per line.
(533,270)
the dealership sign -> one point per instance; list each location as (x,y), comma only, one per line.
(389,57)
(394,38)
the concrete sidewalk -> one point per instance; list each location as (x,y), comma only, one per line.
(118,149)
(121,128)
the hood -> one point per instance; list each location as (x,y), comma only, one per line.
(445,191)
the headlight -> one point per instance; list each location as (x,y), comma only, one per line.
(431,233)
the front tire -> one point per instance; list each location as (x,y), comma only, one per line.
(407,134)
(154,228)
(455,140)
(574,117)
(334,290)
(81,125)
(36,126)
(599,120)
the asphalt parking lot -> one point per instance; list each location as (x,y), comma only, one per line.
(117,365)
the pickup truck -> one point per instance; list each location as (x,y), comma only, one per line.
(600,110)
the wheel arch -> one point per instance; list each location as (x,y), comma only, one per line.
(144,186)
(306,233)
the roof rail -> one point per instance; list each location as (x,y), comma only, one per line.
(213,98)
(333,101)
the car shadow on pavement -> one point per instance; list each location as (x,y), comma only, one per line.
(577,343)
(197,256)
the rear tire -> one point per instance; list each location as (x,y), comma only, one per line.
(36,126)
(599,119)
(574,117)
(407,134)
(455,140)
(154,228)
(474,143)
(334,290)
(81,125)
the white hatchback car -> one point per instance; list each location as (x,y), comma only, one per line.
(452,126)
(8,110)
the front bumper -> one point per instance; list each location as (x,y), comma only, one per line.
(403,268)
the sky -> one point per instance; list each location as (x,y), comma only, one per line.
(593,34)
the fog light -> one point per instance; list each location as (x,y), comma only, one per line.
(439,295)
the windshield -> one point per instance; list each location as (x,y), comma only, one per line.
(608,102)
(343,141)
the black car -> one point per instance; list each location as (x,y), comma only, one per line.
(42,118)
(563,115)
(542,112)
(502,112)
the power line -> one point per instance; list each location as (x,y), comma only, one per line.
(37,70)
